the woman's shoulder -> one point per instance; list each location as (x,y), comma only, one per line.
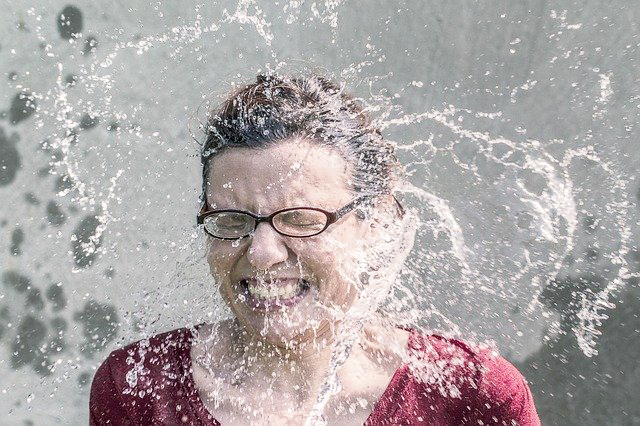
(489,385)
(481,364)
(147,359)
(474,356)
(143,380)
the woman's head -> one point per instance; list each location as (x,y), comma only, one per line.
(275,108)
(281,143)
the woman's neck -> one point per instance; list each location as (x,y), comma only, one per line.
(289,379)
(302,367)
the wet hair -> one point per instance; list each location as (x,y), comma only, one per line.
(275,108)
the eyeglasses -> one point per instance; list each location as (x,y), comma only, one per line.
(297,222)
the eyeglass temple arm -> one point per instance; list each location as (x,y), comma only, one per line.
(203,210)
(346,209)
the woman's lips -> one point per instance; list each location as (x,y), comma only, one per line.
(273,294)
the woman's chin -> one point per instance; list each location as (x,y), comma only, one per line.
(284,332)
(297,320)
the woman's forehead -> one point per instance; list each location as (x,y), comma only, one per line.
(283,173)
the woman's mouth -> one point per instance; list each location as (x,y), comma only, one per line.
(283,292)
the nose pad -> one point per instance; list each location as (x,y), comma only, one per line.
(267,247)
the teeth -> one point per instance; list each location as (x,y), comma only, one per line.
(273,292)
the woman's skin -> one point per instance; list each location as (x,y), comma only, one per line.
(267,365)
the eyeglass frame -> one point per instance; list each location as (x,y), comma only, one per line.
(332,217)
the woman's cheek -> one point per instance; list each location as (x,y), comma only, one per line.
(321,259)
(214,264)
(221,256)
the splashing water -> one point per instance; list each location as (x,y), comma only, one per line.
(381,271)
(516,148)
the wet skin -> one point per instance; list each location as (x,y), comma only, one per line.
(291,174)
(269,363)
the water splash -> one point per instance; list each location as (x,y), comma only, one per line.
(381,268)
(510,253)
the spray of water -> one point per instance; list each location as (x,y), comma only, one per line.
(496,216)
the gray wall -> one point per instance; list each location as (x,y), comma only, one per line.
(517,121)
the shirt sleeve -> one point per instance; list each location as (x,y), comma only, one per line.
(105,403)
(503,396)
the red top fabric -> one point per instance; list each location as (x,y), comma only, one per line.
(150,383)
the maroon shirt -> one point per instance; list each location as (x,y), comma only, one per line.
(150,383)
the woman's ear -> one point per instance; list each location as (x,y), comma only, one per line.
(380,215)
(386,209)
(361,213)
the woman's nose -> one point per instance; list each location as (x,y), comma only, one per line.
(267,247)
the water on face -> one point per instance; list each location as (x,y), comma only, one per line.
(516,126)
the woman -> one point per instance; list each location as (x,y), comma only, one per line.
(305,239)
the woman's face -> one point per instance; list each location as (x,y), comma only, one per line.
(287,290)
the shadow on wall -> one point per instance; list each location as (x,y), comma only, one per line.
(41,332)
(572,389)
(35,316)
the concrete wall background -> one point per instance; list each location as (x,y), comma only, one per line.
(99,177)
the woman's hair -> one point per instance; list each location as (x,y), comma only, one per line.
(275,108)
